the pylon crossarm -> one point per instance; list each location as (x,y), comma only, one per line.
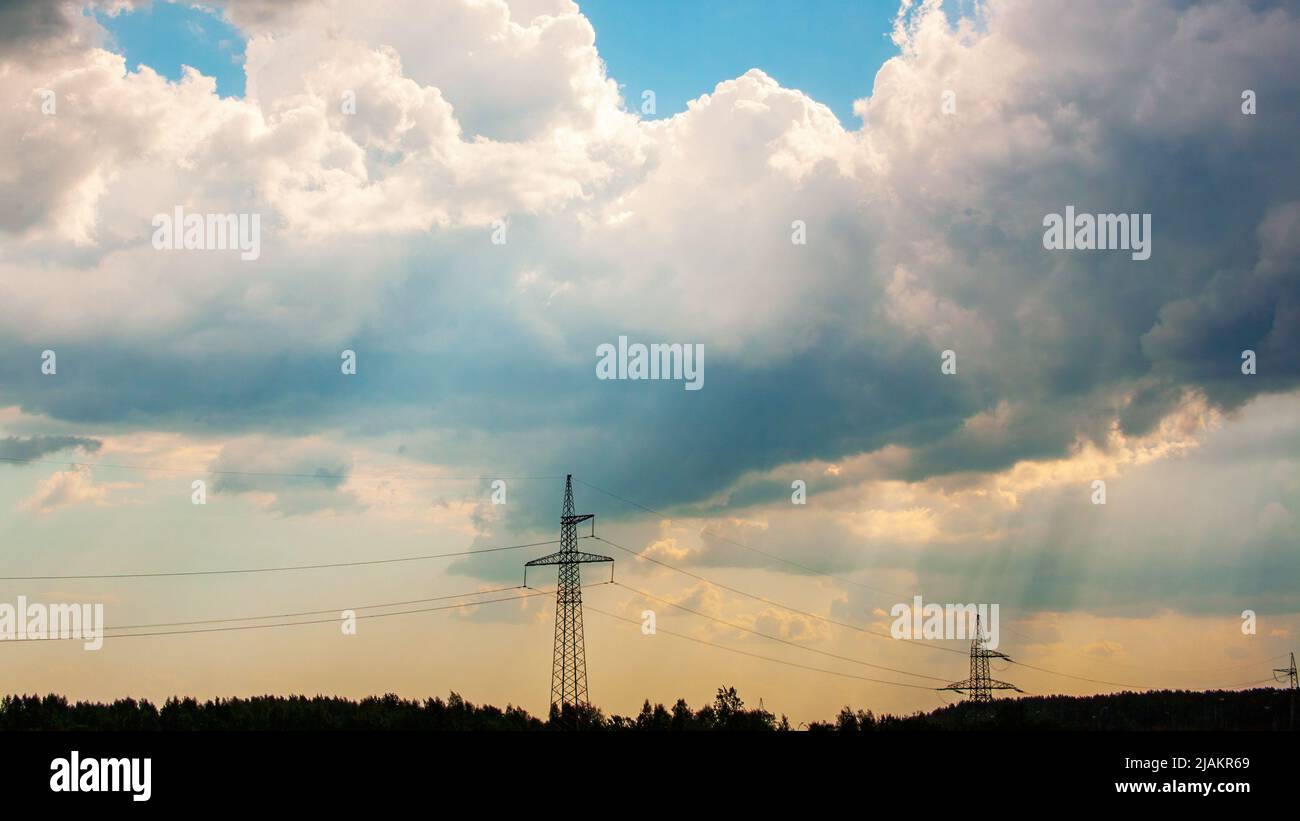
(963,686)
(569,557)
(587,558)
(554,558)
(575,520)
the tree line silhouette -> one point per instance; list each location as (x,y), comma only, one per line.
(1260,709)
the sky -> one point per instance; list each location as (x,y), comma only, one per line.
(168,36)
(677,49)
(841,204)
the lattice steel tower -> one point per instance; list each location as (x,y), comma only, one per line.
(979,686)
(1291,678)
(569,669)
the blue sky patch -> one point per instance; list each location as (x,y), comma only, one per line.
(829,49)
(167,36)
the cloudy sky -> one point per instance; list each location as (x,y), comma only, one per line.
(473,195)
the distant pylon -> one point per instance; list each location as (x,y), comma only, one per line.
(1290,674)
(569,668)
(979,686)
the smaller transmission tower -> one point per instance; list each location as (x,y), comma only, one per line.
(1289,673)
(979,686)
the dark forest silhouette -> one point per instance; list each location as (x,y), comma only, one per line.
(1261,709)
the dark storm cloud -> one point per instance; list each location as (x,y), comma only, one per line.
(32,31)
(26,449)
(448,351)
(24,22)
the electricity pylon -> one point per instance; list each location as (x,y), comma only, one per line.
(569,668)
(1289,672)
(979,686)
(1291,680)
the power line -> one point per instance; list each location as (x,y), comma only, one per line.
(312,612)
(752,631)
(865,630)
(1183,671)
(231,571)
(757,655)
(847,580)
(288,623)
(764,600)
(1193,671)
(762,657)
(637,554)
(790,562)
(1118,684)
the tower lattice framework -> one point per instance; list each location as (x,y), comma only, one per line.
(569,667)
(980,685)
(1288,675)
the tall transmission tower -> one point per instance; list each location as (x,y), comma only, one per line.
(979,686)
(569,668)
(1289,673)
